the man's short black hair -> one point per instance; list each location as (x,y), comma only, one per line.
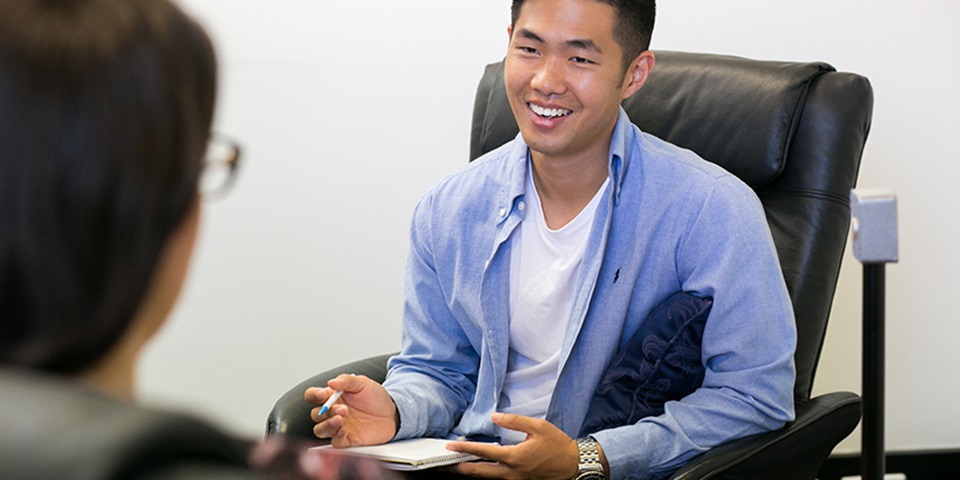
(634,27)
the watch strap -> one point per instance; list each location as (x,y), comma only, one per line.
(590,467)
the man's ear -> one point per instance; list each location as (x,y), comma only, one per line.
(509,32)
(638,72)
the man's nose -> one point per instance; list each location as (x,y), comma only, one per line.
(549,79)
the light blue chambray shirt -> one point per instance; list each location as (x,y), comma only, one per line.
(670,222)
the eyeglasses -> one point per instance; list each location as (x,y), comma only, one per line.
(219,167)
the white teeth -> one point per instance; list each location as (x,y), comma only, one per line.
(549,112)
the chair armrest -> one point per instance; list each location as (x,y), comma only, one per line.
(786,454)
(796,451)
(290,416)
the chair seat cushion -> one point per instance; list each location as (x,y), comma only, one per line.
(659,363)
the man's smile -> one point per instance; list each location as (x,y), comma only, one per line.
(549,112)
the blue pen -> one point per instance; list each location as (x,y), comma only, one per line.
(330,401)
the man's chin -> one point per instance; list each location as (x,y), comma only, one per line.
(545,148)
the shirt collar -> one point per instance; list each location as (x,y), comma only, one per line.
(623,133)
(517,165)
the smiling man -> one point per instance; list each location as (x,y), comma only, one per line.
(533,267)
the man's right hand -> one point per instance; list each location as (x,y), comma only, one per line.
(364,415)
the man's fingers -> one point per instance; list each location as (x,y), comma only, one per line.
(328,428)
(342,439)
(488,451)
(317,394)
(520,423)
(481,470)
(348,382)
(337,409)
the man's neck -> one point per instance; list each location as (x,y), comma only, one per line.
(566,185)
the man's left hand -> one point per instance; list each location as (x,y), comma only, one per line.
(546,453)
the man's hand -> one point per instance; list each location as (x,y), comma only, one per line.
(546,453)
(364,415)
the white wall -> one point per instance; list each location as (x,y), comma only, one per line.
(349,111)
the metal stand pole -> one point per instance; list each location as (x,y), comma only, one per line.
(874,222)
(873,459)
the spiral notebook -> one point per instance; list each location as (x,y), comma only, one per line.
(410,454)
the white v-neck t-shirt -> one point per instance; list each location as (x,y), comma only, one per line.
(543,272)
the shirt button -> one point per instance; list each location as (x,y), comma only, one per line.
(503,212)
(521,206)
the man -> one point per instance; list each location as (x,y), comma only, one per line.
(533,266)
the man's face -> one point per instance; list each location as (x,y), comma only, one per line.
(565,79)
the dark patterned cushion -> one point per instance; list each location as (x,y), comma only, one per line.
(660,362)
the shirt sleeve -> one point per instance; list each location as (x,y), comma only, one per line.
(434,378)
(748,342)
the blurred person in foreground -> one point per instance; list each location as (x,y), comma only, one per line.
(105,115)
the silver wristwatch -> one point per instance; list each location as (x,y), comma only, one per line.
(590,467)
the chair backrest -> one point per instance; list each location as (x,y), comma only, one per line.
(793,131)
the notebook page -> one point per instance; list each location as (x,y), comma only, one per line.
(409,454)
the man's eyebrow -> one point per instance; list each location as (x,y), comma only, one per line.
(578,43)
(523,32)
(584,44)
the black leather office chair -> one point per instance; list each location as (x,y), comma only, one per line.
(795,133)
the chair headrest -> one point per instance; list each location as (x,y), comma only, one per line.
(736,112)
